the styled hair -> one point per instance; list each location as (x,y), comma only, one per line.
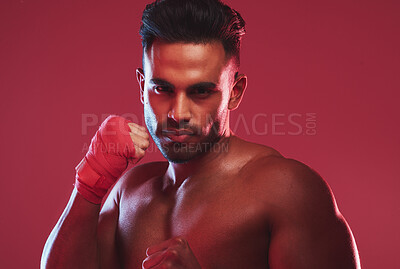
(193,21)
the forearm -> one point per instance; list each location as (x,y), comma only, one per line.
(73,241)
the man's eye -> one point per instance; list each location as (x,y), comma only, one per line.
(162,89)
(201,92)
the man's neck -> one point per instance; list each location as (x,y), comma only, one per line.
(177,173)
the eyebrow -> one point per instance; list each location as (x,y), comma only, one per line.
(200,85)
(161,82)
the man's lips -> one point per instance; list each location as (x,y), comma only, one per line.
(178,135)
(177,132)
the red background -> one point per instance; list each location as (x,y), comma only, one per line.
(339,59)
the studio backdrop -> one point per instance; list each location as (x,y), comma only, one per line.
(323,88)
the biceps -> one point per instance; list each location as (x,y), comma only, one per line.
(328,245)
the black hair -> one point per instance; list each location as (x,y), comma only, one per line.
(193,21)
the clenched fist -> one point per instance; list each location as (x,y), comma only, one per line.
(174,253)
(116,142)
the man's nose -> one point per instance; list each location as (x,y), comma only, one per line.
(180,108)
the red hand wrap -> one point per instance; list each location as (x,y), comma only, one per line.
(106,159)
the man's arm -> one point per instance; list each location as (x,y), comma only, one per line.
(73,241)
(107,227)
(308,231)
(84,235)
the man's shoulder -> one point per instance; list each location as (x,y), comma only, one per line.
(253,150)
(139,174)
(287,182)
(268,164)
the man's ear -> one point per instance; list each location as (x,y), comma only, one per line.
(140,80)
(237,92)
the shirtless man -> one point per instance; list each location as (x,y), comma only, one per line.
(218,201)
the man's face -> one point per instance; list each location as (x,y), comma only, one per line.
(186,92)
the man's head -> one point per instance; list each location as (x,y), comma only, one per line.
(193,21)
(190,80)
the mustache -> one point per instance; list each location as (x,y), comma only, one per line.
(171,124)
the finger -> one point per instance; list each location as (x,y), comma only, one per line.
(139,141)
(135,126)
(144,135)
(175,241)
(153,260)
(139,153)
(140,132)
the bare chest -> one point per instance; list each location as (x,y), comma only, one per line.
(225,227)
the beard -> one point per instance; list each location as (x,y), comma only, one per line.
(182,152)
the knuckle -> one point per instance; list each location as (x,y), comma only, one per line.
(131,126)
(180,241)
(141,142)
(146,144)
(172,254)
(137,150)
(137,126)
(141,133)
(139,153)
(135,139)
